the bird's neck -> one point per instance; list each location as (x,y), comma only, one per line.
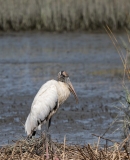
(63,92)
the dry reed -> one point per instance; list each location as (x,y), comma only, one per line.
(60,15)
(124,115)
(35,150)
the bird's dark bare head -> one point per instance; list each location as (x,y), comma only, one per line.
(64,77)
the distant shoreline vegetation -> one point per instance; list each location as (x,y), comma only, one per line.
(63,15)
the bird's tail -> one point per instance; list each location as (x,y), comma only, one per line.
(30,125)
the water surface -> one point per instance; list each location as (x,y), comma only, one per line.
(27,60)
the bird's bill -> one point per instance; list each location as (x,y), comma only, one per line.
(72,89)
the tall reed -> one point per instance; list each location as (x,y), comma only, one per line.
(60,15)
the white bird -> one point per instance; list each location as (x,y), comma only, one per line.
(47,101)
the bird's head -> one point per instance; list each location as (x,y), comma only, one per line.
(64,77)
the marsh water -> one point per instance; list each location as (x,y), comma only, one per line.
(28,60)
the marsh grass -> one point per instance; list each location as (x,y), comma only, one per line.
(35,150)
(62,15)
(123,115)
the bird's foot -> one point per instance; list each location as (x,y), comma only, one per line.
(48,136)
(50,145)
(47,141)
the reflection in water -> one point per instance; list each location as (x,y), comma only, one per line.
(27,60)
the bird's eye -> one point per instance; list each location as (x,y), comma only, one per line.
(63,75)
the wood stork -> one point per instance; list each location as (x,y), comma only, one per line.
(47,101)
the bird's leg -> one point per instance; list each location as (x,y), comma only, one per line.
(47,146)
(47,154)
(49,124)
(48,138)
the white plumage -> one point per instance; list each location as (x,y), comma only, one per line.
(46,102)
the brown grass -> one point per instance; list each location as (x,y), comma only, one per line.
(35,150)
(124,116)
(60,15)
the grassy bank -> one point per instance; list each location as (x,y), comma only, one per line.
(60,15)
(35,149)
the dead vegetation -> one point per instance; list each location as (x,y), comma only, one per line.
(62,15)
(124,52)
(35,149)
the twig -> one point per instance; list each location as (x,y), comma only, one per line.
(97,145)
(117,46)
(122,144)
(64,147)
(125,147)
(109,126)
(105,138)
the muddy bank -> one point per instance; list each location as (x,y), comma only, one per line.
(29,60)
